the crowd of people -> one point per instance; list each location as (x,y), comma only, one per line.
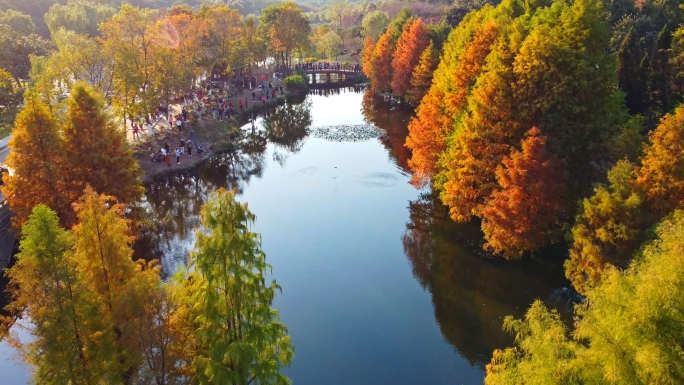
(165,153)
(206,100)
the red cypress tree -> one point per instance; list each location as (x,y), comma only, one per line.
(382,63)
(482,137)
(412,42)
(523,214)
(427,136)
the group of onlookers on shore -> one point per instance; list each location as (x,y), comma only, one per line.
(166,153)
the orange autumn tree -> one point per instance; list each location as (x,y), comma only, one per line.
(662,167)
(457,72)
(367,58)
(411,44)
(422,75)
(480,141)
(36,158)
(382,63)
(615,220)
(523,214)
(97,153)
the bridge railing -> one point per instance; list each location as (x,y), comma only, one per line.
(351,68)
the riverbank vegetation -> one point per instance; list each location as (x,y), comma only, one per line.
(56,155)
(98,316)
(628,330)
(549,122)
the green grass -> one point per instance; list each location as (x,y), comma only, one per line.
(6,123)
(5,129)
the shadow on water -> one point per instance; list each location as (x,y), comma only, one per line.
(471,292)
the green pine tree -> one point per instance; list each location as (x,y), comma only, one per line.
(660,77)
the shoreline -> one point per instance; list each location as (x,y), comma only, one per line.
(215,135)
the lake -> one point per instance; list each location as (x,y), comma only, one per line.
(379,286)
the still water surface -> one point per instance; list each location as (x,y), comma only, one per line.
(379,287)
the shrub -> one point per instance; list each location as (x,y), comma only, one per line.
(296,82)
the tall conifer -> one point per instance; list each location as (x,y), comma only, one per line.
(523,215)
(660,79)
(112,282)
(36,159)
(367,58)
(382,63)
(631,76)
(239,335)
(422,75)
(44,288)
(97,153)
(461,65)
(410,45)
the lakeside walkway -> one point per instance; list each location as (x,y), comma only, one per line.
(210,132)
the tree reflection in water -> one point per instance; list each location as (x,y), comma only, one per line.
(471,293)
(287,129)
(394,120)
(172,204)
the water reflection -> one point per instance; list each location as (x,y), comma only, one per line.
(173,202)
(472,294)
(287,128)
(330,91)
(392,118)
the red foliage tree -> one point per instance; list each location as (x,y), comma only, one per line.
(412,42)
(523,214)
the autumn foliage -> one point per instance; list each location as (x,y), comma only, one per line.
(609,228)
(615,221)
(410,46)
(36,158)
(427,133)
(382,63)
(53,166)
(422,75)
(367,58)
(97,153)
(502,71)
(524,213)
(662,168)
(446,97)
(98,316)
